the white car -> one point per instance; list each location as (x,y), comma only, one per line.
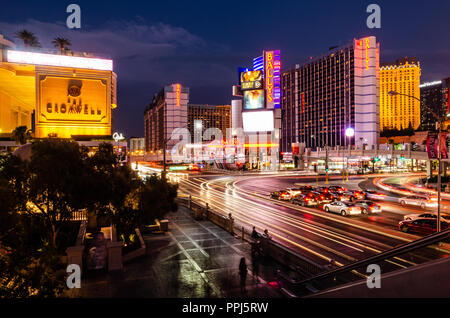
(411,217)
(342,208)
(417,200)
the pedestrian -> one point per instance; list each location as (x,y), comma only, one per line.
(266,234)
(243,275)
(255,234)
(255,266)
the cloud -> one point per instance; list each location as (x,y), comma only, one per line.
(159,53)
(146,57)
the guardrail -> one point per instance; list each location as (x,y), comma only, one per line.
(420,243)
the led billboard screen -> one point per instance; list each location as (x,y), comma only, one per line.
(251,80)
(258,121)
(254,99)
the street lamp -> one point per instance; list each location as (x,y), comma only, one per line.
(349,133)
(439,124)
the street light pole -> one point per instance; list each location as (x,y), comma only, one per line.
(439,123)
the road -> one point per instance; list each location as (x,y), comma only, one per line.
(318,235)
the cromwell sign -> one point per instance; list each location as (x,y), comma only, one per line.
(72,106)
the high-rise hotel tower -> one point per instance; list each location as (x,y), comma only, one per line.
(400,111)
(331,94)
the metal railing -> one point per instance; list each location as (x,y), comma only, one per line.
(436,245)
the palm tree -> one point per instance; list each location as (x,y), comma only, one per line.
(61,43)
(21,134)
(28,38)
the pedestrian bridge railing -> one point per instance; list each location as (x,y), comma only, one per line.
(412,254)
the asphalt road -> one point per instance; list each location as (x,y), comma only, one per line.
(318,235)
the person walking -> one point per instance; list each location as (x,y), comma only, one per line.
(255,234)
(243,275)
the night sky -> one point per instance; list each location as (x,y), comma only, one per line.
(200,44)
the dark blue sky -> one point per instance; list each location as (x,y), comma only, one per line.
(201,43)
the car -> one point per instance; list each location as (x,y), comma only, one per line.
(304,200)
(427,215)
(322,189)
(338,189)
(281,195)
(418,200)
(359,194)
(368,207)
(323,197)
(306,188)
(294,191)
(374,195)
(421,226)
(342,208)
(344,196)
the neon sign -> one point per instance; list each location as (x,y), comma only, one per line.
(272,78)
(367,53)
(269,77)
(178,91)
(59,60)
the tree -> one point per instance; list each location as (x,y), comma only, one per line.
(29,267)
(21,134)
(61,43)
(55,179)
(28,38)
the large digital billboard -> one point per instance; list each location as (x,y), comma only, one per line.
(251,80)
(258,121)
(254,99)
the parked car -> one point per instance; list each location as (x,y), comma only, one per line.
(281,195)
(368,207)
(342,208)
(421,226)
(427,215)
(417,200)
(304,200)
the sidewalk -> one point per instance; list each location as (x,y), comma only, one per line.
(195,259)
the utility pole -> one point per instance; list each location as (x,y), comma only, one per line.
(326,164)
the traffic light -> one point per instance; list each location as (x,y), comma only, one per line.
(326,168)
(402,157)
(376,159)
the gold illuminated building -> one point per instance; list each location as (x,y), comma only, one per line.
(399,111)
(62,96)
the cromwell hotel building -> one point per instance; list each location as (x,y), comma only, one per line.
(68,95)
(328,94)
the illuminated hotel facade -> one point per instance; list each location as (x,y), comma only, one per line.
(434,95)
(400,112)
(63,96)
(209,116)
(167,112)
(325,96)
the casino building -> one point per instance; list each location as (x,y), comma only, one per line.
(256,113)
(69,95)
(327,95)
